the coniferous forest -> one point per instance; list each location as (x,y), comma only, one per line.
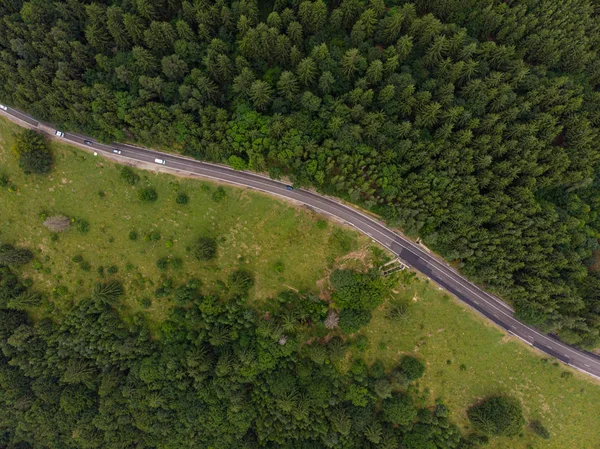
(471,124)
(220,376)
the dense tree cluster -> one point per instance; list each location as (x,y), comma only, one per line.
(219,376)
(33,152)
(483,140)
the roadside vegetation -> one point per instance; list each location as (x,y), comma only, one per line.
(90,218)
(427,371)
(469,359)
(473,125)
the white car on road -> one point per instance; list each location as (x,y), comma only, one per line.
(59,133)
(4,108)
(116,151)
(160,161)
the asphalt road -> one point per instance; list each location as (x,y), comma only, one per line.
(409,252)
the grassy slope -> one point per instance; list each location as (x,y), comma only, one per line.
(254,230)
(263,231)
(447,335)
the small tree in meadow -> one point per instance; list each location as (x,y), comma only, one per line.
(205,249)
(34,154)
(497,415)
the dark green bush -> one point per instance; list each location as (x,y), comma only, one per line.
(205,249)
(240,281)
(162,263)
(147,195)
(77,258)
(219,194)
(182,198)
(154,236)
(129,176)
(412,367)
(359,291)
(112,269)
(352,320)
(497,415)
(83,226)
(33,151)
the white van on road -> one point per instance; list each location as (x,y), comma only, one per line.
(160,161)
(4,108)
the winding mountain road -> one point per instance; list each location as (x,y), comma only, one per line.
(410,253)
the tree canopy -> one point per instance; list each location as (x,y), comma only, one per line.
(218,375)
(471,124)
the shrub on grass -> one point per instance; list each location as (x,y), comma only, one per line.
(108,292)
(60,290)
(165,289)
(359,291)
(205,249)
(240,281)
(162,263)
(321,224)
(132,235)
(219,194)
(77,259)
(538,428)
(148,195)
(362,343)
(412,367)
(57,223)
(176,263)
(340,241)
(85,266)
(154,236)
(112,269)
(129,176)
(397,311)
(182,199)
(497,415)
(279,267)
(352,320)
(83,226)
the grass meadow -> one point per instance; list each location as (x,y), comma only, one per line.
(286,247)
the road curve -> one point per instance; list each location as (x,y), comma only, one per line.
(409,252)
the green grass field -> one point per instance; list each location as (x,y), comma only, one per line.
(467,358)
(254,231)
